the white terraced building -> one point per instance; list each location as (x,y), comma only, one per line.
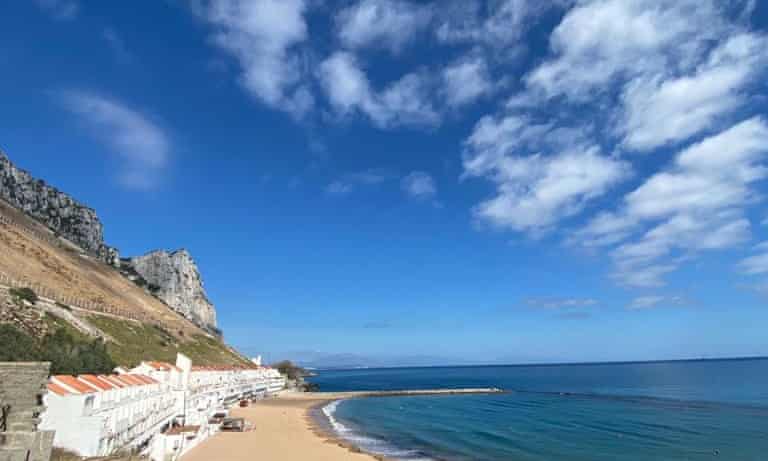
(149,408)
(97,415)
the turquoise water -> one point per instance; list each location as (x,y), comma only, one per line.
(699,410)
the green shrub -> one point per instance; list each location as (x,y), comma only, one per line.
(25,294)
(290,370)
(70,356)
(17,346)
(67,354)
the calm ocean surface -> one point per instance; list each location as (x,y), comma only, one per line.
(699,410)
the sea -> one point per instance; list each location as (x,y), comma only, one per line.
(679,410)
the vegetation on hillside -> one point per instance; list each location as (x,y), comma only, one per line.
(134,342)
(290,370)
(24,294)
(68,354)
(297,374)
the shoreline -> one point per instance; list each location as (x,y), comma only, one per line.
(292,427)
(321,426)
(285,429)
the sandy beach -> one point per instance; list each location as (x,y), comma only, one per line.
(283,431)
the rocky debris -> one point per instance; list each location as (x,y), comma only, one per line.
(55,209)
(175,279)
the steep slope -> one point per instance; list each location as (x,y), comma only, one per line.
(57,210)
(82,294)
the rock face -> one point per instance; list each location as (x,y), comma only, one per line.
(174,278)
(57,210)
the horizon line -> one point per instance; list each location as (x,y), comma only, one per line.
(550,364)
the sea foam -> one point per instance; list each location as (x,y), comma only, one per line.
(366,443)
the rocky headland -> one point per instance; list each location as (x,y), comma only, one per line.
(171,277)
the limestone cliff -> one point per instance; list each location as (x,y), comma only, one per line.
(57,210)
(174,278)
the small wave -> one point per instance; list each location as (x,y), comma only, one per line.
(367,443)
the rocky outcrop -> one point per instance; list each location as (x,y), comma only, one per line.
(60,212)
(174,278)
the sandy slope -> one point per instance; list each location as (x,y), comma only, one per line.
(60,268)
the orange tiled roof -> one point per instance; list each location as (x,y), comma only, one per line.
(111,379)
(73,383)
(94,380)
(56,389)
(163,366)
(131,379)
(146,379)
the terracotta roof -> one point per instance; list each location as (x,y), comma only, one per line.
(127,382)
(146,379)
(70,382)
(94,380)
(111,379)
(163,366)
(56,389)
(131,379)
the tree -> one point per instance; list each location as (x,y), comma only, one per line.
(17,346)
(289,369)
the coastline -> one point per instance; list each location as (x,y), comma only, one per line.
(284,430)
(292,427)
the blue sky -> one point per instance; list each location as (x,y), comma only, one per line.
(454,181)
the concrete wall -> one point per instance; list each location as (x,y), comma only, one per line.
(22,387)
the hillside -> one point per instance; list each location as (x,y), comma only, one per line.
(87,296)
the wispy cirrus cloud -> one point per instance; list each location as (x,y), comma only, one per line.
(143,147)
(654,301)
(62,10)
(117,45)
(757,263)
(419,185)
(696,204)
(350,182)
(561,303)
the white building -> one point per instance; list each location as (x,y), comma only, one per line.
(98,415)
(156,407)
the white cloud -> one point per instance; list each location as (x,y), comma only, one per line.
(59,9)
(758,262)
(142,145)
(598,41)
(651,301)
(465,81)
(381,23)
(696,204)
(534,190)
(419,185)
(264,35)
(708,176)
(659,110)
(497,23)
(404,102)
